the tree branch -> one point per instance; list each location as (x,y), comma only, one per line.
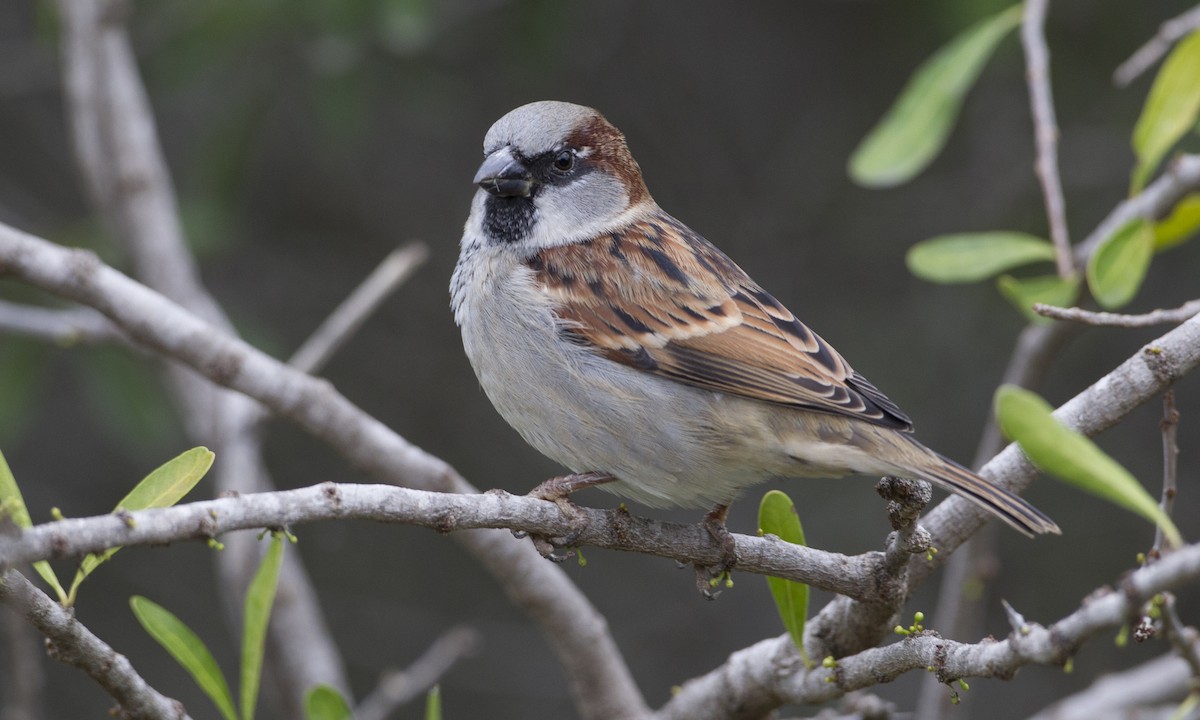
(599,679)
(1181,177)
(399,687)
(72,643)
(1145,56)
(1154,317)
(130,187)
(314,405)
(23,678)
(61,327)
(445,512)
(738,688)
(1045,130)
(1162,680)
(396,268)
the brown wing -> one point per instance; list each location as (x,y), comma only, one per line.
(685,311)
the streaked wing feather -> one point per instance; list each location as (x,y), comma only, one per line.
(685,311)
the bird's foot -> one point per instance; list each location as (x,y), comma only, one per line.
(558,491)
(711,579)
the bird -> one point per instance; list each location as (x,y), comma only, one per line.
(620,343)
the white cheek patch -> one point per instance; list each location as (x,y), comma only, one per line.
(594,205)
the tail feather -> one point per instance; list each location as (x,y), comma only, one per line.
(1006,505)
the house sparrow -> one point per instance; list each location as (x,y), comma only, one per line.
(622,344)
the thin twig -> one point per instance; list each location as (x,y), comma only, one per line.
(1170,427)
(1181,637)
(72,643)
(1181,177)
(400,687)
(1173,316)
(1145,56)
(395,269)
(61,327)
(1045,127)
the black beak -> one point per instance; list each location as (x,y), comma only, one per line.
(503,175)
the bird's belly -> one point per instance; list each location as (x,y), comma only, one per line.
(668,444)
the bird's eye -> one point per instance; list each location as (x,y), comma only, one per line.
(564,161)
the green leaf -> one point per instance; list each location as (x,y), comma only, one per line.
(187,649)
(915,128)
(1180,226)
(326,703)
(1171,108)
(259,598)
(433,703)
(1055,448)
(12,507)
(164,487)
(1024,293)
(970,257)
(170,482)
(1116,270)
(777,516)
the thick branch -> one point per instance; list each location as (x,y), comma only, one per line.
(599,678)
(72,643)
(130,187)
(444,512)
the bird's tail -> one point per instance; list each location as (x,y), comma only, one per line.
(1006,505)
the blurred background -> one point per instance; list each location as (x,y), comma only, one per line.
(308,139)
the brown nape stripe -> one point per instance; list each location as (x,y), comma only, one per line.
(610,154)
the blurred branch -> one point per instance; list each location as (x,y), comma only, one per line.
(70,642)
(742,687)
(1121,694)
(598,676)
(1045,127)
(395,269)
(1145,56)
(23,679)
(1181,177)
(1154,317)
(61,327)
(400,687)
(958,616)
(129,185)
